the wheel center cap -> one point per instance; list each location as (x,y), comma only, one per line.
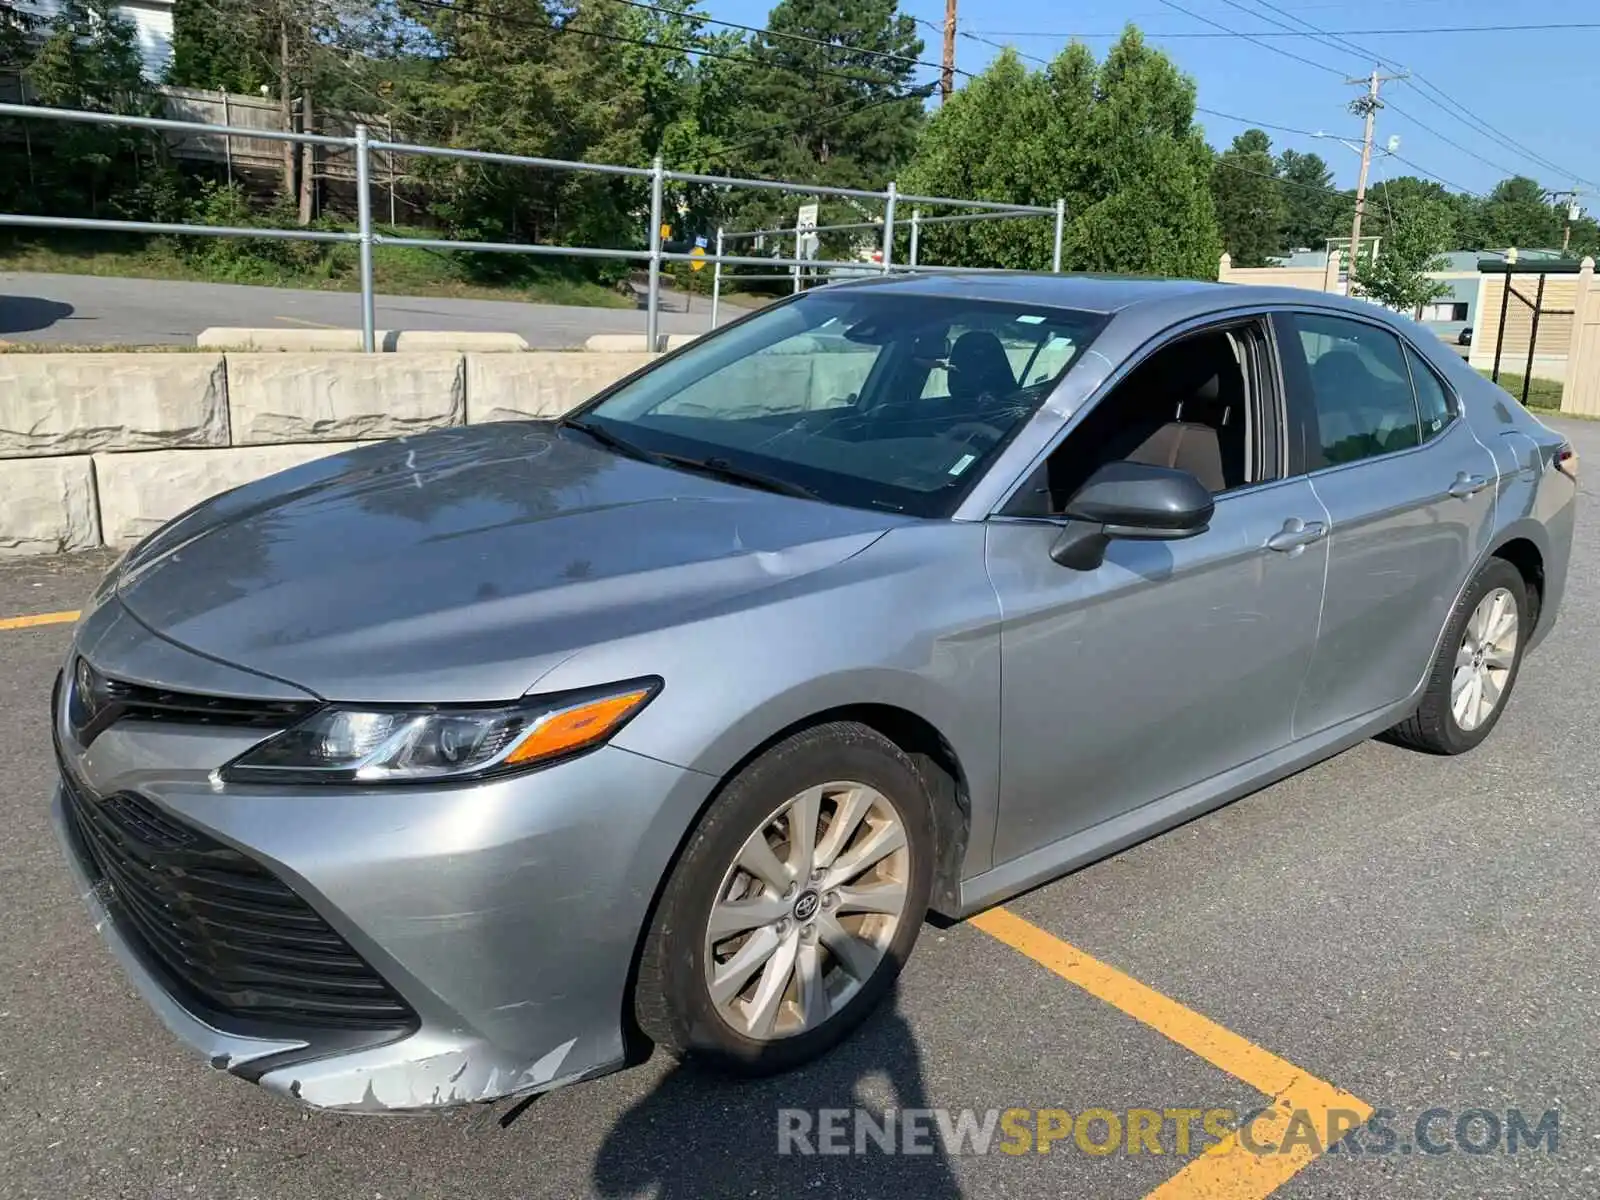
(806,906)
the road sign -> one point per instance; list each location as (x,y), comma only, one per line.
(808,218)
(699,253)
(666,231)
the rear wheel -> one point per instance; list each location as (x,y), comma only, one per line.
(1477,666)
(793,906)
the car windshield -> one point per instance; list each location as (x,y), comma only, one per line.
(866,397)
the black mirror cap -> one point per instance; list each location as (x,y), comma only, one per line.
(1133,497)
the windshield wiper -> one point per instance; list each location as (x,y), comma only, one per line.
(611,441)
(721,468)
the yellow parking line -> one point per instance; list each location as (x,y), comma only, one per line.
(303,321)
(1228,1171)
(55,618)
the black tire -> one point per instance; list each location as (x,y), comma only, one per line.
(672,1003)
(1433,727)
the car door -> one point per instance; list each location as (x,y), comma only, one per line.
(1409,494)
(1169,663)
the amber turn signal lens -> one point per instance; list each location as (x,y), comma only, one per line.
(569,729)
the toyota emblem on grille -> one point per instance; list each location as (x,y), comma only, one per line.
(87,698)
(92,705)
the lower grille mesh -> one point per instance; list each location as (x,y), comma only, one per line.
(233,939)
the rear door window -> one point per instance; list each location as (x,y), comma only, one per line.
(1360,386)
(1435,405)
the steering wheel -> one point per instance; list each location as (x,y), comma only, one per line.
(965,431)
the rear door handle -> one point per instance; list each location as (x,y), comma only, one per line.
(1296,535)
(1468,485)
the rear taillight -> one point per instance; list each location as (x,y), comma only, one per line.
(1566,461)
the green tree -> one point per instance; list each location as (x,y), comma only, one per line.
(89,59)
(600,82)
(1389,200)
(1115,139)
(220,45)
(1398,277)
(1519,213)
(1249,200)
(1312,207)
(828,98)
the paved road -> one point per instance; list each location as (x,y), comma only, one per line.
(90,311)
(1420,932)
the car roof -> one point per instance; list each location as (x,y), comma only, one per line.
(1109,294)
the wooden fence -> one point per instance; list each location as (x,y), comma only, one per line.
(1581,391)
(260,161)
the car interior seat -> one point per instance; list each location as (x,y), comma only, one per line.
(1206,434)
(980,373)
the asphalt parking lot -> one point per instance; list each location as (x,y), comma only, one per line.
(1385,931)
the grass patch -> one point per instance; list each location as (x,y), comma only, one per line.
(1542,393)
(397,270)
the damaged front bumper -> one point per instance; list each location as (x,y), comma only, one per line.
(506,915)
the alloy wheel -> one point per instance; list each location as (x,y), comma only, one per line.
(1484,660)
(807,910)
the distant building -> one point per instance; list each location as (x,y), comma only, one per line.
(152,19)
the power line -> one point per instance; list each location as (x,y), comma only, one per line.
(921,92)
(1336,41)
(1256,124)
(1282,182)
(1398,111)
(792,37)
(1269,33)
(1172,4)
(1429,174)
(1247,121)
(1422,171)
(1250,12)
(1470,119)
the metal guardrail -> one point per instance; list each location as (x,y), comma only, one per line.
(363,145)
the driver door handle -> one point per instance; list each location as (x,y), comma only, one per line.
(1468,485)
(1296,535)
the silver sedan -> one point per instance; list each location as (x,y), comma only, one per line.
(482,761)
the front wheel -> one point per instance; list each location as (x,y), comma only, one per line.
(793,906)
(1477,665)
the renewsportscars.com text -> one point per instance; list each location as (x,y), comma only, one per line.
(1181,1132)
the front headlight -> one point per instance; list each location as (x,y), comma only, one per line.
(371,744)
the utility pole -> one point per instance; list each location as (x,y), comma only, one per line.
(947,79)
(1570,198)
(1366,106)
(285,104)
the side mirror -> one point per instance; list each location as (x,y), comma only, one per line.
(1130,500)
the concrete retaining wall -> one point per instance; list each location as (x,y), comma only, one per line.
(276,398)
(53,404)
(100,449)
(514,387)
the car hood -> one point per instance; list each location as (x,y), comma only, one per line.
(464,564)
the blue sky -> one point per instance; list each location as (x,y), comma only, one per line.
(1539,89)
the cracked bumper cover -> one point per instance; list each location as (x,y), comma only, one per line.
(506,914)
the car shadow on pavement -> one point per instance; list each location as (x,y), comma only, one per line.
(698,1136)
(27,314)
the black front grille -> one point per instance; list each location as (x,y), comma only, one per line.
(230,938)
(97,702)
